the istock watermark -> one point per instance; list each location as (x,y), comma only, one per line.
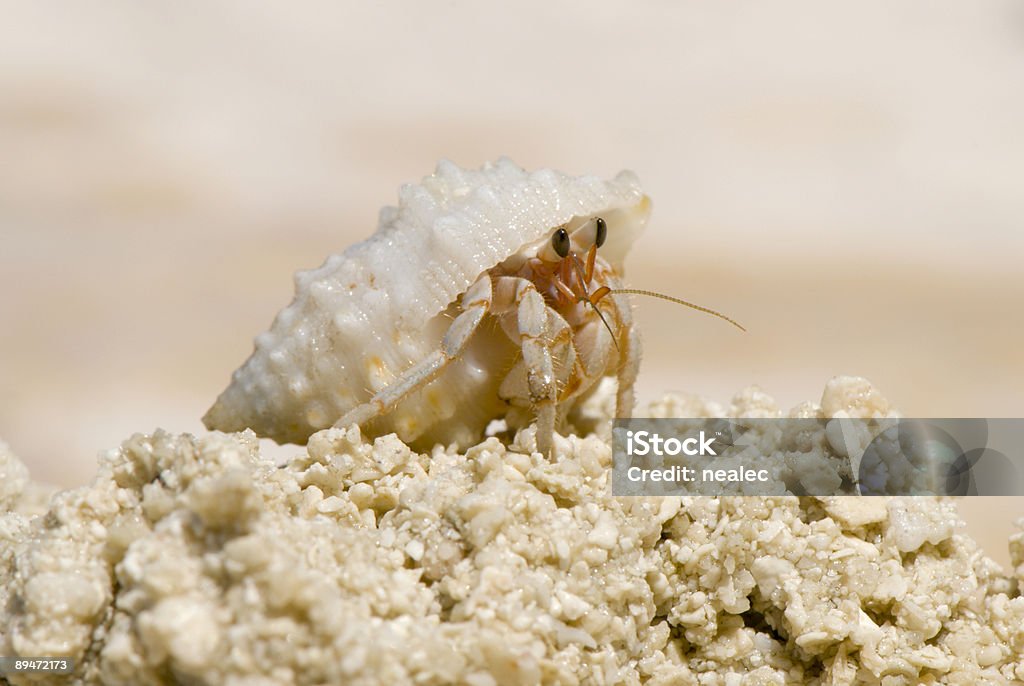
(647,443)
(820,457)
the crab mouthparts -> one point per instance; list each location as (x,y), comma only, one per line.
(571,283)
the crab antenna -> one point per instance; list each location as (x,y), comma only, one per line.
(678,301)
(586,296)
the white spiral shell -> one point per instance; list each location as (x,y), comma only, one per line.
(373,311)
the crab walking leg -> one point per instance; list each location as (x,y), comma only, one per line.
(476,303)
(541,332)
(629,352)
(629,366)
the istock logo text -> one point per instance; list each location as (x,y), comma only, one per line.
(647,443)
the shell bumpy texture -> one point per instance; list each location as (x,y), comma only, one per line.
(365,312)
(195,560)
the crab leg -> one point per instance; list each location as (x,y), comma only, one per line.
(629,355)
(542,333)
(629,366)
(476,303)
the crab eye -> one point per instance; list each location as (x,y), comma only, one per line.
(560,242)
(602,232)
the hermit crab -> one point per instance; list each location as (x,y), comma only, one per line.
(485,293)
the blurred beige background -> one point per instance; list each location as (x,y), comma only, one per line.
(843,178)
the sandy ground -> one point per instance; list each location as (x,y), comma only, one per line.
(844,180)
